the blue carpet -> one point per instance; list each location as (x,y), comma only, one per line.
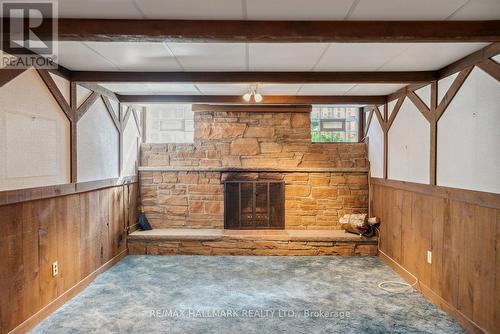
(243,294)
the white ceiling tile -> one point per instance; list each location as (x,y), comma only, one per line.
(130,56)
(430,56)
(479,10)
(278,89)
(324,89)
(98,9)
(297,9)
(191,9)
(357,56)
(405,9)
(284,56)
(497,58)
(152,88)
(374,89)
(223,89)
(210,56)
(77,56)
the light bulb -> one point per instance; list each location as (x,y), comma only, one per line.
(257,97)
(247,97)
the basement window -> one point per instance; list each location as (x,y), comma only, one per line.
(334,124)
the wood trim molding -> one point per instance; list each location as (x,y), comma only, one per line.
(395,112)
(29,323)
(251,108)
(73,101)
(98,89)
(126,117)
(421,106)
(486,199)
(252,77)
(85,106)
(433,134)
(268,99)
(8,75)
(112,113)
(452,91)
(380,117)
(31,194)
(127,30)
(56,93)
(137,122)
(491,67)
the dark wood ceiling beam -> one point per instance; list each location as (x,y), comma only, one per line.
(251,108)
(255,77)
(268,99)
(124,30)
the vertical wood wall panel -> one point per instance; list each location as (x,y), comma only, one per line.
(463,237)
(80,231)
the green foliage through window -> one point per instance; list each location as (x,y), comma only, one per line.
(334,124)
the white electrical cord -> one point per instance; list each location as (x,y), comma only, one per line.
(400,286)
(397,287)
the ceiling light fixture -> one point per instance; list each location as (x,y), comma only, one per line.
(257,97)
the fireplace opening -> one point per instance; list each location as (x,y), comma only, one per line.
(250,205)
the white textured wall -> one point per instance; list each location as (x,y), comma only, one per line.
(469,136)
(98,145)
(169,123)
(130,148)
(34,135)
(408,151)
(376,148)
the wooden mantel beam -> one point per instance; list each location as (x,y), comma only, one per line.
(255,77)
(268,99)
(125,30)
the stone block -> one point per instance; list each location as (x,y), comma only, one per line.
(245,146)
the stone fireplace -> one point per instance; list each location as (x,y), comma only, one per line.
(254,205)
(182,185)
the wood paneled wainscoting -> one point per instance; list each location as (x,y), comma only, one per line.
(462,229)
(82,226)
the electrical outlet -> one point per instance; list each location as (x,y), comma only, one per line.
(55,269)
(429,257)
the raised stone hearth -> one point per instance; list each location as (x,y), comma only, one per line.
(237,242)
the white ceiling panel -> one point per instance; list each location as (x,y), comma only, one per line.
(223,89)
(285,56)
(357,56)
(324,89)
(278,89)
(297,9)
(430,56)
(479,10)
(77,56)
(98,9)
(405,9)
(152,88)
(191,9)
(374,89)
(129,56)
(210,56)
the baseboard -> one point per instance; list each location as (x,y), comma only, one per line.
(434,298)
(32,321)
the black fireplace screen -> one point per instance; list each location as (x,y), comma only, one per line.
(254,205)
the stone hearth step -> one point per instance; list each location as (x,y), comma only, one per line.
(249,242)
